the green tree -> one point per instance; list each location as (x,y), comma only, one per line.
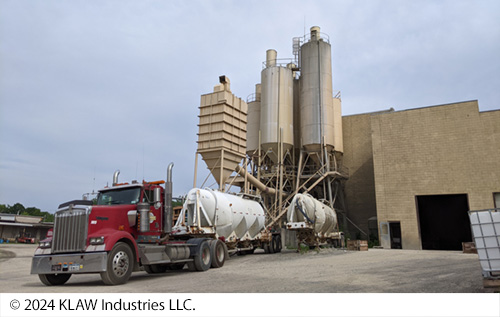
(19,209)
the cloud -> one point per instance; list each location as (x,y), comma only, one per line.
(90,87)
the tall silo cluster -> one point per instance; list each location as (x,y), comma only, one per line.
(302,112)
(300,128)
(294,129)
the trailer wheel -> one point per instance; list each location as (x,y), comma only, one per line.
(265,246)
(120,265)
(218,252)
(271,245)
(54,279)
(276,243)
(203,259)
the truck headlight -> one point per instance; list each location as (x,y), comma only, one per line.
(44,244)
(97,240)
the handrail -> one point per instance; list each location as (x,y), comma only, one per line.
(323,37)
(252,97)
(279,62)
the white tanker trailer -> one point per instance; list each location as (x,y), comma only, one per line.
(238,220)
(314,221)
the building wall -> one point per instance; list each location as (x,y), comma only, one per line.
(358,158)
(448,149)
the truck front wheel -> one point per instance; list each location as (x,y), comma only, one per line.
(54,279)
(120,265)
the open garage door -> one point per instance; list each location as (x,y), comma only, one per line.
(444,222)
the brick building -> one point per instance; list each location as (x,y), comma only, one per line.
(414,174)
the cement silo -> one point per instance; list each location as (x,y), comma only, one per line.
(253,122)
(276,114)
(316,103)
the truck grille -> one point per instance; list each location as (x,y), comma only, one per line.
(70,230)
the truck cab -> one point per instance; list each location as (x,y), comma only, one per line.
(127,228)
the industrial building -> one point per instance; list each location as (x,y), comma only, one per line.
(13,226)
(404,178)
(414,174)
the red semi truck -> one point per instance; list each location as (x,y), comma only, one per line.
(128,229)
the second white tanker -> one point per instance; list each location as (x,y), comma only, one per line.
(306,214)
(238,220)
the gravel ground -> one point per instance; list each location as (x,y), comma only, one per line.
(327,271)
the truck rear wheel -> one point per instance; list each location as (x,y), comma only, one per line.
(218,252)
(120,265)
(54,279)
(203,259)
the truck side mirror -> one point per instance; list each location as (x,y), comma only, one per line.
(132,217)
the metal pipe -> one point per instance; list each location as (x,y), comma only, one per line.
(222,181)
(261,186)
(115,177)
(168,213)
(281,161)
(195,169)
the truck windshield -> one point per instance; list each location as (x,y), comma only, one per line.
(125,196)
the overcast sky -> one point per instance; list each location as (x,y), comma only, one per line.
(88,87)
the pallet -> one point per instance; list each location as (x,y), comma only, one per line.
(491,283)
(357,245)
(469,247)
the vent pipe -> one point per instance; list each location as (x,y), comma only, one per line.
(168,212)
(115,177)
(315,34)
(271,56)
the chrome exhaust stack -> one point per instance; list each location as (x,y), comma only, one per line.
(115,177)
(168,213)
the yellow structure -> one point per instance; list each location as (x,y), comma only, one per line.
(222,131)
